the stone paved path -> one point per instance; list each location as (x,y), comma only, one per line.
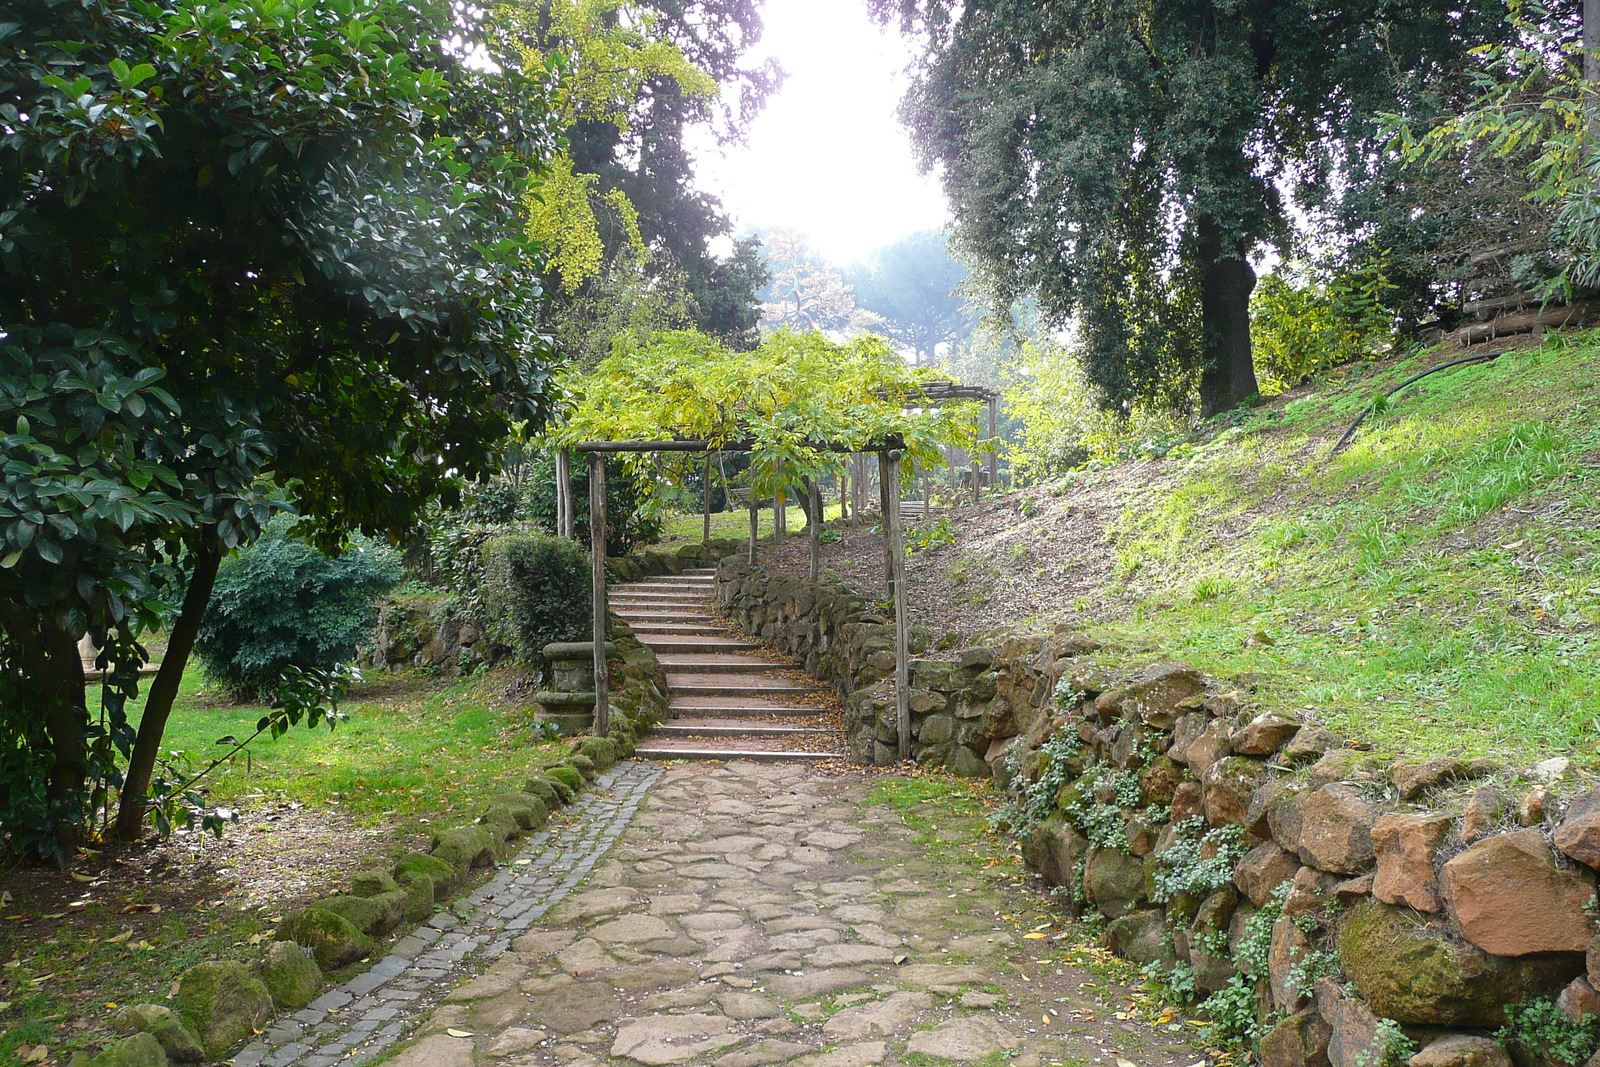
(359,1020)
(757,914)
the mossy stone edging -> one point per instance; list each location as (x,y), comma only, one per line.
(1240,850)
(324,934)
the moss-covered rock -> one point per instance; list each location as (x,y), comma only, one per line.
(502,826)
(602,750)
(163,1024)
(332,940)
(421,893)
(371,915)
(1420,973)
(584,766)
(464,848)
(568,776)
(528,810)
(541,787)
(291,976)
(221,1003)
(435,868)
(372,882)
(140,1050)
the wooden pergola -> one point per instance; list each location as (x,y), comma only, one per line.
(889,453)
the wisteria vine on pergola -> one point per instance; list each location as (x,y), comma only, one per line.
(797,404)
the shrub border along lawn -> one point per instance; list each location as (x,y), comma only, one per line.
(340,929)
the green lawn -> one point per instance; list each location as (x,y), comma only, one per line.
(416,751)
(686,529)
(1434,588)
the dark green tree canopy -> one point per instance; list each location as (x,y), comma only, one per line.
(241,245)
(1124,161)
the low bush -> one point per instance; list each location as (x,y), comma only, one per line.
(281,603)
(535,590)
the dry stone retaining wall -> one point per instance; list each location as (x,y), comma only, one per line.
(1341,910)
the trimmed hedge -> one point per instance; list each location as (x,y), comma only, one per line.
(535,590)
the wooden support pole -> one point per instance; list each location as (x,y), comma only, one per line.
(863,483)
(895,538)
(994,462)
(780,506)
(950,462)
(927,495)
(755,524)
(814,529)
(844,493)
(705,493)
(885,494)
(566,521)
(597,557)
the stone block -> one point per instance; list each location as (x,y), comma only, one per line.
(1579,1000)
(1301,1040)
(1154,696)
(1423,973)
(1262,870)
(1462,1050)
(331,939)
(1511,898)
(1352,1026)
(1309,744)
(1289,946)
(1264,735)
(1336,829)
(1113,881)
(1414,779)
(163,1024)
(372,882)
(291,976)
(1208,748)
(1141,937)
(1406,846)
(1483,814)
(1226,788)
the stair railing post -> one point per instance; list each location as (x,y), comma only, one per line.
(597,556)
(885,494)
(897,567)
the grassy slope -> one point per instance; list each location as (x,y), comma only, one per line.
(1434,588)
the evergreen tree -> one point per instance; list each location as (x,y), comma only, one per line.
(1123,161)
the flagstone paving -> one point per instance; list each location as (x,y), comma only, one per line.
(756,914)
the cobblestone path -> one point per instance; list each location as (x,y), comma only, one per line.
(758,914)
(359,1020)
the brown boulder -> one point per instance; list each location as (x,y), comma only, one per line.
(1592,961)
(1301,1040)
(1310,743)
(1351,890)
(1186,801)
(1532,808)
(1352,1027)
(1405,846)
(1343,765)
(1462,1050)
(1310,893)
(1483,813)
(1511,898)
(1208,748)
(1153,696)
(1285,814)
(1579,1000)
(1579,833)
(1227,787)
(1290,945)
(1185,732)
(1055,849)
(1113,881)
(1159,781)
(1422,973)
(1414,779)
(1262,870)
(1336,829)
(1264,734)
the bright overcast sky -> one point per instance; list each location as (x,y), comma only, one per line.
(828,157)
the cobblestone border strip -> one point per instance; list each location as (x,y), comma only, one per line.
(358,1020)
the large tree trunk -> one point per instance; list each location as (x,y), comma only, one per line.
(1229,374)
(164,689)
(54,671)
(1591,74)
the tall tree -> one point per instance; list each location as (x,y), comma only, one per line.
(1124,161)
(240,245)
(805,292)
(911,285)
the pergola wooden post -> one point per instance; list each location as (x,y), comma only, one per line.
(885,494)
(566,523)
(755,525)
(814,531)
(994,462)
(597,559)
(705,499)
(897,569)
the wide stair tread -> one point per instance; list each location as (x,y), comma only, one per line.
(759,750)
(721,664)
(720,728)
(672,644)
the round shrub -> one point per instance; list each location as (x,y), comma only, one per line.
(281,603)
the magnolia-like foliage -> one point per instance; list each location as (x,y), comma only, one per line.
(790,400)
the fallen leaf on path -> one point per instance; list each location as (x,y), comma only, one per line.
(120,938)
(453,1032)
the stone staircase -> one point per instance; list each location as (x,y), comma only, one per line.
(728,697)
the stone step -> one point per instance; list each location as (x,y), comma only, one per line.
(668,643)
(665,630)
(669,749)
(688,571)
(692,728)
(726,707)
(721,663)
(656,614)
(711,685)
(657,594)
